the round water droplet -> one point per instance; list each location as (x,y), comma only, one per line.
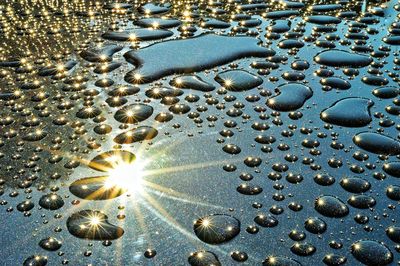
(315,225)
(371,252)
(331,206)
(51,201)
(133,113)
(203,258)
(50,244)
(36,260)
(216,228)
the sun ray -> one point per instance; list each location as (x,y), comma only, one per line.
(199,203)
(176,169)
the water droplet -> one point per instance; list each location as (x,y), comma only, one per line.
(93,225)
(371,252)
(216,228)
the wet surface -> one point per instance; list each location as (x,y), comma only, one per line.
(199,133)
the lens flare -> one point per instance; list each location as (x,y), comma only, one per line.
(128,176)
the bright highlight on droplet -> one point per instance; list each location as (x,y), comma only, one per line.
(94,220)
(127,176)
(205,222)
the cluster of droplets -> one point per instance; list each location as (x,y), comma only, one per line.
(299,99)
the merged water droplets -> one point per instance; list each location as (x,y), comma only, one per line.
(93,225)
(192,82)
(238,80)
(120,168)
(195,54)
(349,112)
(290,97)
(303,249)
